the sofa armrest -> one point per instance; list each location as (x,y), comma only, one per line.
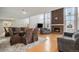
(65,44)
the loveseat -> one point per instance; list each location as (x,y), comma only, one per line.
(69,43)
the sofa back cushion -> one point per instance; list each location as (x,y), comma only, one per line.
(68,34)
(28,36)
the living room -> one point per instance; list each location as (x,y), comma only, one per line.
(39,29)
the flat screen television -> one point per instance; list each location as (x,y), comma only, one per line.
(39,25)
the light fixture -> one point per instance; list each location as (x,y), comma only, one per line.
(56,18)
(7,23)
(24,12)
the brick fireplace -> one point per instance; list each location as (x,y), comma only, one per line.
(57,21)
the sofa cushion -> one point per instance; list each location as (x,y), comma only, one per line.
(15,39)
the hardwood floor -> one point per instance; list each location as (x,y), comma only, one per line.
(49,46)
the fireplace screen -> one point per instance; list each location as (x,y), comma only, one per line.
(56,29)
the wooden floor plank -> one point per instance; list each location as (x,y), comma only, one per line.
(49,46)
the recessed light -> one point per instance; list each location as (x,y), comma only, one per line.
(24,12)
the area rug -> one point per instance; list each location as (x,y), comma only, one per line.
(6,47)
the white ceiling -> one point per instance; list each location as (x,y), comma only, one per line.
(16,12)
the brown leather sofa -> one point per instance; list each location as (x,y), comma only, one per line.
(28,37)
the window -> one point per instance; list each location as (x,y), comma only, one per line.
(69,17)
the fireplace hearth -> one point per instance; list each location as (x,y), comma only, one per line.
(57,29)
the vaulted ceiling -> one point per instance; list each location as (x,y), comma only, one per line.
(16,12)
